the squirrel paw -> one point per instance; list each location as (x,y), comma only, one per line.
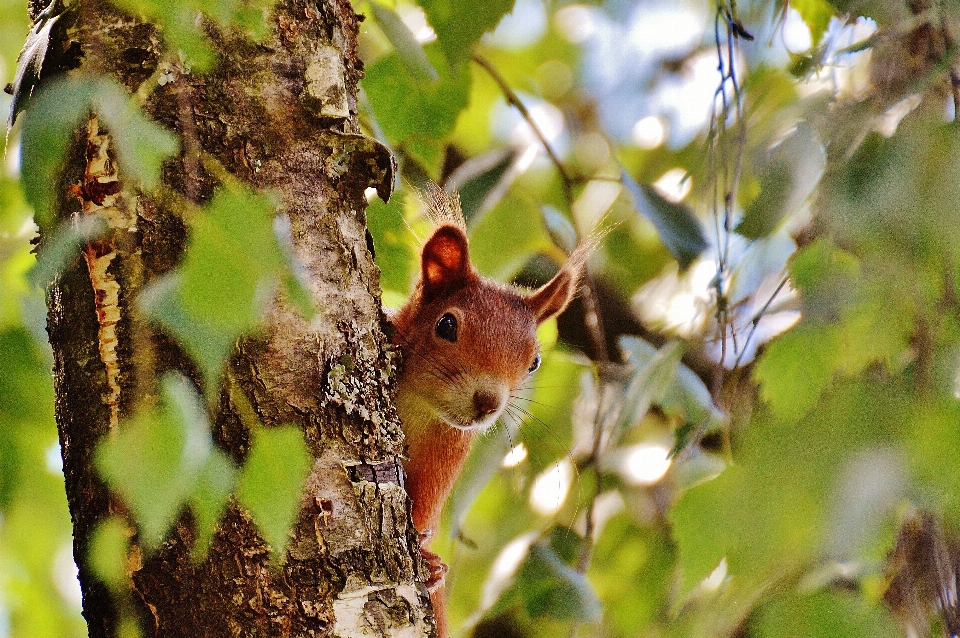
(437,567)
(437,570)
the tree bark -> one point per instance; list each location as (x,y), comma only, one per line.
(278,115)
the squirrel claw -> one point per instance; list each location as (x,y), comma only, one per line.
(437,567)
(437,570)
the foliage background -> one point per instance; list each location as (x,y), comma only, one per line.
(805,181)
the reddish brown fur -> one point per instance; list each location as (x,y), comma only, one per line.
(495,346)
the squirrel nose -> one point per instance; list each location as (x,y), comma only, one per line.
(486,403)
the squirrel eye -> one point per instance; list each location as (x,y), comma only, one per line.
(447,328)
(533,366)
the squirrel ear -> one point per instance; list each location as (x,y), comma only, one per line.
(445,263)
(552,298)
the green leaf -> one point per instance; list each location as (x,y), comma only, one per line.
(833,613)
(634,572)
(62,245)
(142,145)
(210,497)
(55,111)
(394,256)
(460,23)
(675,223)
(233,260)
(690,399)
(179,22)
(933,445)
(824,274)
(404,42)
(108,552)
(416,115)
(271,482)
(701,528)
(816,14)
(797,367)
(26,411)
(767,514)
(552,589)
(156,459)
(481,182)
(655,372)
(483,463)
(505,238)
(208,344)
(787,180)
(233,267)
(561,230)
(58,109)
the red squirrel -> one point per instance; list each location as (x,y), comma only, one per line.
(468,344)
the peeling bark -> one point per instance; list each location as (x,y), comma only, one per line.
(279,115)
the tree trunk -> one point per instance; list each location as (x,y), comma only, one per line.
(279,115)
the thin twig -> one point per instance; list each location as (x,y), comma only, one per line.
(727,170)
(955,88)
(756,319)
(514,100)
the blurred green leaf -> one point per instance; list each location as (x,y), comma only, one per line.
(460,23)
(932,445)
(788,177)
(894,197)
(816,14)
(690,399)
(655,372)
(233,260)
(850,321)
(62,245)
(505,238)
(232,270)
(26,410)
(561,230)
(484,461)
(481,182)
(702,528)
(675,223)
(208,344)
(179,21)
(156,459)
(271,482)
(393,254)
(633,571)
(408,49)
(797,366)
(141,144)
(833,614)
(551,588)
(210,498)
(109,545)
(56,111)
(766,515)
(416,116)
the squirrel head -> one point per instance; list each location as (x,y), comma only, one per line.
(470,342)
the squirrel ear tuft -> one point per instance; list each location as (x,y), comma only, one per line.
(444,261)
